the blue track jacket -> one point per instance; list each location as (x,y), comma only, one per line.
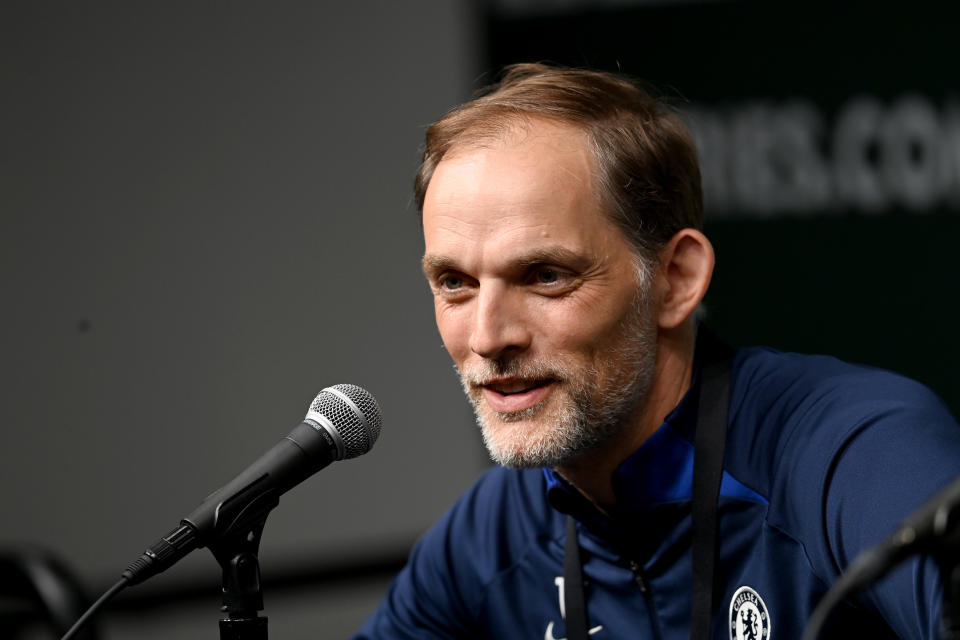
(823,459)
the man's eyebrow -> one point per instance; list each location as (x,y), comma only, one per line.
(436,264)
(560,256)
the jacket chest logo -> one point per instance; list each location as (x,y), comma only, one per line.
(548,634)
(749,618)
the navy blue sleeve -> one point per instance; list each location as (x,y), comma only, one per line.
(845,453)
(431,598)
(421,603)
(442,591)
(907,450)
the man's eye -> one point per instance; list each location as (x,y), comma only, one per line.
(451,283)
(547,276)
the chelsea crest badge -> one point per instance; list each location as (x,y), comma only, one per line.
(749,618)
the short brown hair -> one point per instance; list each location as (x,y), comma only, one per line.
(648,171)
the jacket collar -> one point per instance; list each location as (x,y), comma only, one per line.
(654,484)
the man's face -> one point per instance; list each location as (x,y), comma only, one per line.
(536,296)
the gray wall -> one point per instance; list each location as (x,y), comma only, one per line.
(205,218)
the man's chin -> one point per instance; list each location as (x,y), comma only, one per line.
(523,439)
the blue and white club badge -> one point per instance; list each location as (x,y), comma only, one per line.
(749,618)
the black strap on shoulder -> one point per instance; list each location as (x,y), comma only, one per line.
(709,443)
(574,602)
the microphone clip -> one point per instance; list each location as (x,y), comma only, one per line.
(236,553)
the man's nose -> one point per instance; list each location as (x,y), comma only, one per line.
(500,326)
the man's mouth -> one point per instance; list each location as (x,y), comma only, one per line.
(514,394)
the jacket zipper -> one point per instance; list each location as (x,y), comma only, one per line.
(647,597)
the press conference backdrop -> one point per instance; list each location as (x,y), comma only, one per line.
(829,136)
(204,220)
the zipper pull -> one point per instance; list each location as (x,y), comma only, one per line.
(638,576)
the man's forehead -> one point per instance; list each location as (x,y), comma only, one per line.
(529,199)
(499,240)
(537,174)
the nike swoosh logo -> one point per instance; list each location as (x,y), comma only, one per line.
(548,634)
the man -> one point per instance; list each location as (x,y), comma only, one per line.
(561,216)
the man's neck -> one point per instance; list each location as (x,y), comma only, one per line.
(592,474)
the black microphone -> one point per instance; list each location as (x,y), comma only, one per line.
(343,422)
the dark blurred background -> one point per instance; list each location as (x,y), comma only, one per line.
(205,218)
(829,136)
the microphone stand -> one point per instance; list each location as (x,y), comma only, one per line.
(242,594)
(240,521)
(945,549)
(950,576)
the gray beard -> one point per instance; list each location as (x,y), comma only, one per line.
(597,408)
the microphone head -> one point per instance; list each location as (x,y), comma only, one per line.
(351,415)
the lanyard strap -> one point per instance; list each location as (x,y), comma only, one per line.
(709,443)
(574,602)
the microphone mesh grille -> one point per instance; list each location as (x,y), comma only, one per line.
(358,432)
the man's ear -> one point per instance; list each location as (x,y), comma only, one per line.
(686,266)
